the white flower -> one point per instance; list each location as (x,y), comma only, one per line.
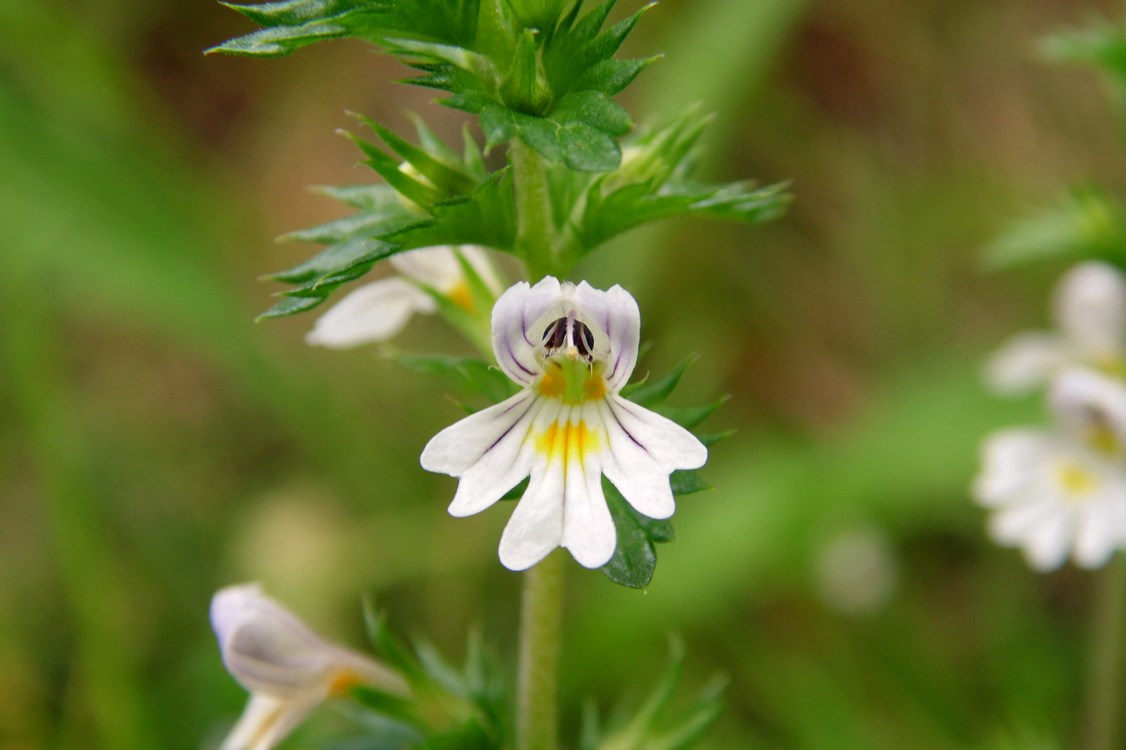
(287,668)
(572,348)
(1090,312)
(1062,491)
(379,310)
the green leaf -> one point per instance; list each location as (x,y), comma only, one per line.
(465,374)
(1087,223)
(693,416)
(649,393)
(634,558)
(687,482)
(337,259)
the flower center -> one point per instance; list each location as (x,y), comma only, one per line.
(343,681)
(1075,480)
(569,371)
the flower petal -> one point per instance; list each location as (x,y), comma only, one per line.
(588,528)
(1010,459)
(514,341)
(536,526)
(433,266)
(644,448)
(457,448)
(267,721)
(1046,546)
(1027,361)
(264,646)
(478,258)
(1085,401)
(616,314)
(1098,530)
(373,312)
(504,463)
(1090,308)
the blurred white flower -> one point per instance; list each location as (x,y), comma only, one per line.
(1089,309)
(1062,491)
(379,310)
(287,668)
(856,570)
(572,348)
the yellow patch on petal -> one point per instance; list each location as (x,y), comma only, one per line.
(342,681)
(566,441)
(1076,481)
(462,296)
(1110,365)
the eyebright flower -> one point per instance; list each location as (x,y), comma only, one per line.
(1062,491)
(379,310)
(571,348)
(287,668)
(1090,312)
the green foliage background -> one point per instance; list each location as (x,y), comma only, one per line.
(156,444)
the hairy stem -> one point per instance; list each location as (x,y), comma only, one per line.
(1106,657)
(535,230)
(541,615)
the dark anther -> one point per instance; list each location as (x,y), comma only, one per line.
(566,332)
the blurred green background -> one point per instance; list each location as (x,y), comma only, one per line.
(156,444)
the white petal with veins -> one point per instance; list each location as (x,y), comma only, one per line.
(373,312)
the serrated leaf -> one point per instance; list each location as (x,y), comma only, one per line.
(463,373)
(611,76)
(338,258)
(686,482)
(651,393)
(635,557)
(290,306)
(692,416)
(1085,224)
(440,174)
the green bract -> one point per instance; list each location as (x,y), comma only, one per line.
(541,72)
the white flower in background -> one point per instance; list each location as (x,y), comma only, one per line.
(571,348)
(856,570)
(379,310)
(287,668)
(1062,491)
(1089,309)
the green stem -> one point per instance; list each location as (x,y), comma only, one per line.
(1106,657)
(535,229)
(541,615)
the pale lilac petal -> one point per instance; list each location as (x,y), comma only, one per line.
(672,446)
(536,526)
(1090,308)
(588,529)
(1026,362)
(266,721)
(435,267)
(1047,545)
(641,479)
(514,342)
(458,447)
(1085,400)
(1010,459)
(373,312)
(504,463)
(614,313)
(264,646)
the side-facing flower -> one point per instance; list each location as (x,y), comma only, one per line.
(1089,308)
(571,348)
(1062,491)
(288,669)
(379,310)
